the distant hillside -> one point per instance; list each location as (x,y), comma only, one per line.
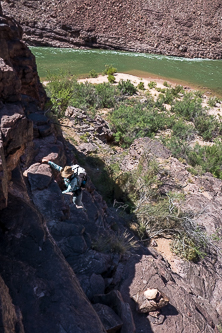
(189,28)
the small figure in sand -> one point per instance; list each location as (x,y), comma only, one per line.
(74,178)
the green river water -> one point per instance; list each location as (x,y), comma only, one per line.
(201,73)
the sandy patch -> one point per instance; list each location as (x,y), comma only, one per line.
(122,76)
(163,247)
(134,79)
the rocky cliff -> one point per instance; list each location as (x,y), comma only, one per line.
(39,291)
(180,28)
(71,270)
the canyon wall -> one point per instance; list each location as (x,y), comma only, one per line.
(189,28)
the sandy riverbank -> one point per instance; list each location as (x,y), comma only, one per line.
(122,76)
(136,80)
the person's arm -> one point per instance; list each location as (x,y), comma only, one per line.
(52,164)
(55,166)
(69,189)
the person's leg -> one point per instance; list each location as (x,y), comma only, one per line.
(77,198)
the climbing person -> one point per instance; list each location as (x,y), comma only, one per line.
(74,178)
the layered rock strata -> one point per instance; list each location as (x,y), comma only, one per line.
(180,28)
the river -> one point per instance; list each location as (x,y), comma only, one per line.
(200,73)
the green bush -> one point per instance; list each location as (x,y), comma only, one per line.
(162,90)
(179,148)
(208,157)
(126,87)
(109,70)
(212,101)
(64,91)
(93,74)
(208,126)
(196,171)
(166,84)
(107,95)
(198,93)
(134,121)
(111,78)
(178,89)
(169,97)
(141,86)
(189,107)
(152,84)
(59,89)
(183,131)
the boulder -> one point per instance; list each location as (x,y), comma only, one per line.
(97,284)
(108,317)
(39,176)
(10,85)
(114,300)
(95,127)
(150,300)
(87,148)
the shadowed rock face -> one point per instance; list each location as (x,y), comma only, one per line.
(39,291)
(189,28)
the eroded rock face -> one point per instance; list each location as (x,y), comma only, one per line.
(83,124)
(182,28)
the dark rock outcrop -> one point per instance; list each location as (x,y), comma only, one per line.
(39,291)
(180,28)
(94,128)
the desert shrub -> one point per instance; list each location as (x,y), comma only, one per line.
(141,86)
(107,95)
(126,87)
(208,157)
(160,101)
(208,126)
(212,101)
(185,247)
(93,73)
(179,148)
(196,171)
(189,107)
(64,91)
(178,89)
(169,97)
(109,70)
(115,243)
(59,90)
(166,84)
(111,78)
(198,93)
(183,131)
(152,84)
(83,95)
(134,121)
(162,90)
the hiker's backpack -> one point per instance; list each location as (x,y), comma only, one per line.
(80,174)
